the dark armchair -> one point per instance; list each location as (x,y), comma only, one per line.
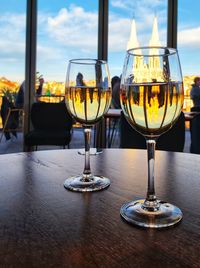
(172,140)
(10,115)
(195,134)
(52,125)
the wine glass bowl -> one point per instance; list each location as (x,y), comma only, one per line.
(87,97)
(151,97)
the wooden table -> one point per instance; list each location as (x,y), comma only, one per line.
(44,225)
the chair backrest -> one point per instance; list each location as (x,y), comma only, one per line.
(172,140)
(195,134)
(9,114)
(195,109)
(50,116)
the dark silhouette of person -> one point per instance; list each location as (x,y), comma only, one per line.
(20,96)
(11,121)
(39,89)
(195,94)
(80,82)
(115,83)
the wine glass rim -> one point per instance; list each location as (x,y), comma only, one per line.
(88,61)
(166,51)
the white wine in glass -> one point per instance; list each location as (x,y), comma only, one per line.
(88,97)
(151,97)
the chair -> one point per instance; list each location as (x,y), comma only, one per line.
(195,109)
(12,118)
(52,125)
(195,134)
(172,140)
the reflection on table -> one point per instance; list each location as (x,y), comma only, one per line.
(44,225)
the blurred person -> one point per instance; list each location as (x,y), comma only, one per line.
(39,89)
(195,94)
(11,122)
(79,80)
(20,96)
(115,83)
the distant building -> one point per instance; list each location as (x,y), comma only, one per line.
(143,70)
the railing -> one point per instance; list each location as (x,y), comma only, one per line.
(51,98)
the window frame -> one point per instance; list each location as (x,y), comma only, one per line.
(102,53)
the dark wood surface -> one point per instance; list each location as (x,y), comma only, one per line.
(44,225)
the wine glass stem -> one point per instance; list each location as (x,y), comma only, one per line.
(87,171)
(151,202)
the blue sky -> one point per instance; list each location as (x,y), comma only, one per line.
(68,29)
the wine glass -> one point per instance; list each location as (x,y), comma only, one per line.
(88,97)
(151,97)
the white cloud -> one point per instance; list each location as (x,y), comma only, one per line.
(119,30)
(135,6)
(45,53)
(74,27)
(189,38)
(12,41)
(120,4)
(12,26)
(73,32)
(8,48)
(77,28)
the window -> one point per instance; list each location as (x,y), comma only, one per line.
(66,30)
(189,44)
(12,48)
(138,16)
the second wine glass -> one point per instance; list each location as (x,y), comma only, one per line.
(151,98)
(88,96)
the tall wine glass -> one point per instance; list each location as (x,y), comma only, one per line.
(151,98)
(88,97)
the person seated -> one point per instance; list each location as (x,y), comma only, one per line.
(195,94)
(115,83)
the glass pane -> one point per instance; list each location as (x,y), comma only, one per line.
(66,30)
(147,20)
(189,45)
(12,68)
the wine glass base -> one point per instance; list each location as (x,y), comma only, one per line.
(167,214)
(96,183)
(93,151)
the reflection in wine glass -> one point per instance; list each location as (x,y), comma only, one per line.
(88,97)
(151,99)
(93,151)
